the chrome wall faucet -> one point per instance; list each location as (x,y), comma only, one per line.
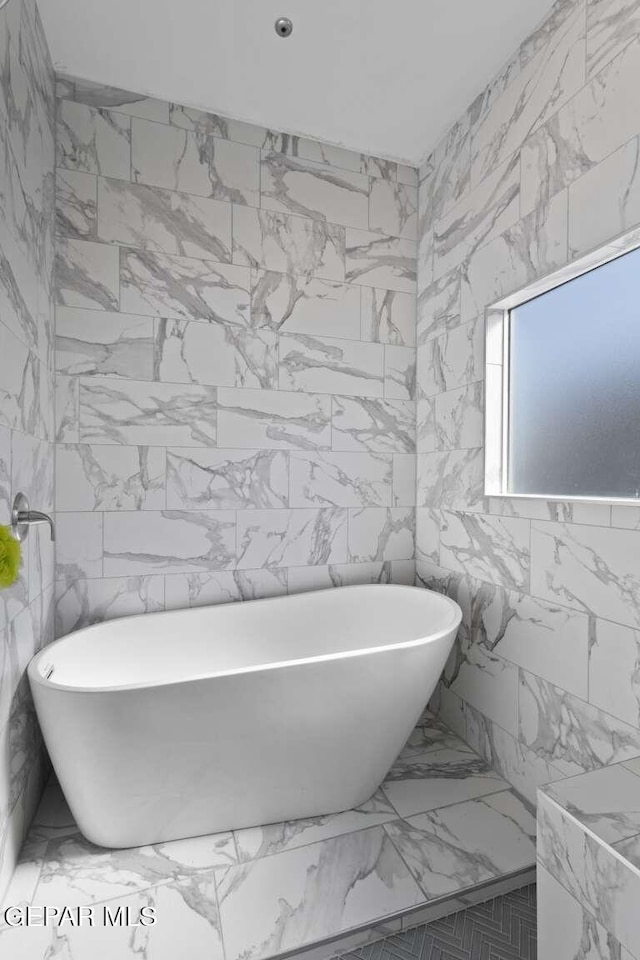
(22,518)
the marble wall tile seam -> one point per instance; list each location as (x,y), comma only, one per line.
(570,182)
(559,34)
(282,330)
(583,828)
(596,64)
(571,133)
(375,167)
(323,170)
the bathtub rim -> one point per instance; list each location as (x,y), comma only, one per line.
(35,676)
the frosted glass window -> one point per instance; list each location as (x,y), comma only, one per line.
(574,384)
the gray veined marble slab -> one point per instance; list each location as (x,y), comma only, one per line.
(305,305)
(257,842)
(459,418)
(273,419)
(451,360)
(174,541)
(431,733)
(439,306)
(598,877)
(226,479)
(546,639)
(592,125)
(588,568)
(445,175)
(92,342)
(454,480)
(404,480)
(304,579)
(567,929)
(87,275)
(614,684)
(534,246)
(484,213)
(550,78)
(288,244)
(215,354)
(607,801)
(611,25)
(340,479)
(467,843)
(110,477)
(290,538)
(292,185)
(518,764)
(375,260)
(103,97)
(388,317)
(78,545)
(81,603)
(151,218)
(486,547)
(189,912)
(615,184)
(76,205)
(324,365)
(70,867)
(134,412)
(67,424)
(399,372)
(381,534)
(183,591)
(182,288)
(393,209)
(291,899)
(419,782)
(425,425)
(166,156)
(93,141)
(573,735)
(382,426)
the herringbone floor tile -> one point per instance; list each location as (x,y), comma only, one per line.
(502,929)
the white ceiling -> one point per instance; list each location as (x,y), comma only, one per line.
(386,77)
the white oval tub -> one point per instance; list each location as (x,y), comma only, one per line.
(182,723)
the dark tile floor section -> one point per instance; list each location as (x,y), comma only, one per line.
(502,929)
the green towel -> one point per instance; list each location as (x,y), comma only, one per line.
(9,558)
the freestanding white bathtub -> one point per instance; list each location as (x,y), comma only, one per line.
(189,722)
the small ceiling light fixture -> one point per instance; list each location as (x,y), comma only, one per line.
(284,27)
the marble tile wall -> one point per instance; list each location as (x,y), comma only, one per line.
(235,360)
(541,168)
(27,149)
(588,866)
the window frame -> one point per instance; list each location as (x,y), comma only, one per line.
(498,374)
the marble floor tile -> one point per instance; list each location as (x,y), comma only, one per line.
(277,888)
(185,913)
(294,898)
(424,781)
(76,871)
(256,842)
(467,843)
